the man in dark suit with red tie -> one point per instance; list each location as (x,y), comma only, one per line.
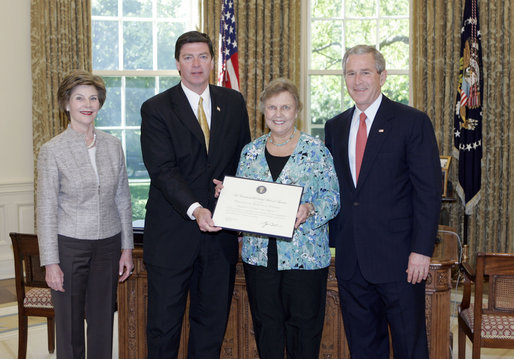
(190,134)
(387,161)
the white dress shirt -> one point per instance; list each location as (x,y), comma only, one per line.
(370,113)
(193,99)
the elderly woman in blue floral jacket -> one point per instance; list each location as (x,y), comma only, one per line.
(286,280)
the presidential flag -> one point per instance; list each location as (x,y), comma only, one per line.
(228,63)
(467,131)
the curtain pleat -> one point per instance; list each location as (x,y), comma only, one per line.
(268,33)
(435,65)
(60,36)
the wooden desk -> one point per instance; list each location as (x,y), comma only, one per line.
(239,341)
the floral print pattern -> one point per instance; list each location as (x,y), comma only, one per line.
(312,167)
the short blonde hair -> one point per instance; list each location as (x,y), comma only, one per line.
(276,87)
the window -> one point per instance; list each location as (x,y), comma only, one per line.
(134,52)
(336,25)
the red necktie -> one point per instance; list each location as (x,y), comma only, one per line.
(362,137)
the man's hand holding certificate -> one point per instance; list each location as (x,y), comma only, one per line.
(258,207)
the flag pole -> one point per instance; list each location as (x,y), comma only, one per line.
(465,248)
(467,129)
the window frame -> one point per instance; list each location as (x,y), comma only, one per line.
(193,22)
(307,19)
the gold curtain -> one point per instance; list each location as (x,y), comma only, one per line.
(435,54)
(268,39)
(60,34)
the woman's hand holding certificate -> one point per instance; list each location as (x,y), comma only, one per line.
(258,207)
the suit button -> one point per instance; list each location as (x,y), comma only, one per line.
(356,204)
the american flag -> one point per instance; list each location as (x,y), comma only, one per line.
(467,131)
(228,65)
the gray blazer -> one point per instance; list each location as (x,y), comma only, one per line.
(70,200)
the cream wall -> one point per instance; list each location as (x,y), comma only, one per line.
(16,170)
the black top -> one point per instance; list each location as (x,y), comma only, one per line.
(276,165)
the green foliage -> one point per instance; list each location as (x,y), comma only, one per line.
(394,8)
(326,8)
(338,25)
(177,9)
(137,45)
(360,8)
(104,7)
(167,82)
(105,45)
(145,28)
(325,104)
(137,90)
(165,47)
(396,88)
(327,45)
(110,115)
(394,43)
(360,31)
(137,8)
(170,20)
(139,194)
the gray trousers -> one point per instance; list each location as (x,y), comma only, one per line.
(90,270)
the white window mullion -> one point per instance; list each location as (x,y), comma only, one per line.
(120,38)
(120,72)
(155,31)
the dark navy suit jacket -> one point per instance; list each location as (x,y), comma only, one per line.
(394,210)
(181,171)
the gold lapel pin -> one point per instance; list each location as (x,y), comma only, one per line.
(219,109)
(381,130)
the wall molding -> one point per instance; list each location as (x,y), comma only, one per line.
(14,187)
(16,215)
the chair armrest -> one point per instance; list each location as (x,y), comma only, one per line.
(468,270)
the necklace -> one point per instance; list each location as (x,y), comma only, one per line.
(92,144)
(283,143)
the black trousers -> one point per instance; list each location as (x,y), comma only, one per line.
(90,270)
(209,280)
(368,309)
(288,308)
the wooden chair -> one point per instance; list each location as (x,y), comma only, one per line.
(32,293)
(488,323)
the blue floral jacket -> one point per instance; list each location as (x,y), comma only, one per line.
(312,167)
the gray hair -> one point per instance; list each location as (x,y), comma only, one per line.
(380,63)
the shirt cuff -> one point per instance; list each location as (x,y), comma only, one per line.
(191,209)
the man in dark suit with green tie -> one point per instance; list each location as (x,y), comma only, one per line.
(190,134)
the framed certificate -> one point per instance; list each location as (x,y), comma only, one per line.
(259,207)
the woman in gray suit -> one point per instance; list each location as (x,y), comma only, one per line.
(84,221)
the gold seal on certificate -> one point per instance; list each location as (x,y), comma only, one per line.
(260,207)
